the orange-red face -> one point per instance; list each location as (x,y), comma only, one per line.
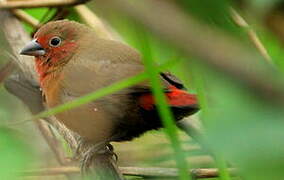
(56,40)
(53,45)
(57,48)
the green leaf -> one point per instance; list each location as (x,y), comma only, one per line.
(162,105)
(244,128)
(14,154)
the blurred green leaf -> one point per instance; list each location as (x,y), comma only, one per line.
(262,6)
(246,130)
(14,155)
(73,15)
(39,14)
(273,47)
(161,103)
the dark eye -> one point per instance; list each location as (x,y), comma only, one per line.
(55,41)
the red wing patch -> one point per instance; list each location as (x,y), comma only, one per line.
(175,97)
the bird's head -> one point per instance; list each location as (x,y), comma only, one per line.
(54,44)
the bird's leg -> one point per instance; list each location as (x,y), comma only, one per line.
(89,154)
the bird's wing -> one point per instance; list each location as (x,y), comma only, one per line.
(175,92)
(110,62)
(172,80)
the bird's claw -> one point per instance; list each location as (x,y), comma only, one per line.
(111,152)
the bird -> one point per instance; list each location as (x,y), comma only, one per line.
(72,61)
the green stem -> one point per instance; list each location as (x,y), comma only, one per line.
(222,167)
(163,108)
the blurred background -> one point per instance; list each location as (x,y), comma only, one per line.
(230,53)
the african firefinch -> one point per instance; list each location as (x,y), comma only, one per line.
(72,61)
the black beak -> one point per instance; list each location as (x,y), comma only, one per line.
(33,49)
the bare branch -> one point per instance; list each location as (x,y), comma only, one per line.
(50,171)
(239,20)
(93,21)
(25,17)
(36,3)
(52,141)
(132,171)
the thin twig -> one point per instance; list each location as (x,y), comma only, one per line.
(25,17)
(132,171)
(50,171)
(93,21)
(52,141)
(239,20)
(36,3)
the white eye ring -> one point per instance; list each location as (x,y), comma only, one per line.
(55,41)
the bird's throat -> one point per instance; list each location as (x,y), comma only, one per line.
(44,68)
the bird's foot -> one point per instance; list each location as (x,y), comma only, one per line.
(78,150)
(111,152)
(96,150)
